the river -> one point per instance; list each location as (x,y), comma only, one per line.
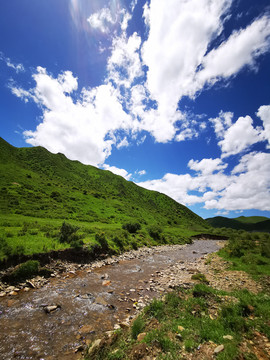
(89,301)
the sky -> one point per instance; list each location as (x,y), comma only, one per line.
(173,95)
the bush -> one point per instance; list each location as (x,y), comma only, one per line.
(5,249)
(132,228)
(25,270)
(68,233)
(137,327)
(155,232)
(101,239)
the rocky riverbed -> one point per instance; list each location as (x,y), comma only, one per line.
(57,318)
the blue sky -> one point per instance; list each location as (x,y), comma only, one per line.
(173,95)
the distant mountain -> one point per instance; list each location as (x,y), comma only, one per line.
(250,223)
(37,183)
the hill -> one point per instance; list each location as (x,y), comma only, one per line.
(39,190)
(249,223)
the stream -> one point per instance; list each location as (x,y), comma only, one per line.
(89,302)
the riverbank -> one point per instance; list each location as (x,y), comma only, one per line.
(59,318)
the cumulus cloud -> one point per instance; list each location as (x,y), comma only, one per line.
(264,114)
(102,20)
(117,171)
(241,49)
(246,187)
(222,123)
(124,64)
(207,166)
(240,136)
(82,129)
(182,30)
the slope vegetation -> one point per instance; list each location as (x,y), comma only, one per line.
(39,190)
(249,223)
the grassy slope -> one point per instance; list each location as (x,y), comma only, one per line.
(39,190)
(250,223)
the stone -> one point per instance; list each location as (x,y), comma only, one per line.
(50,308)
(13,293)
(94,346)
(181,328)
(228,337)
(26,289)
(124,325)
(86,329)
(141,336)
(106,283)
(218,349)
(29,283)
(2,294)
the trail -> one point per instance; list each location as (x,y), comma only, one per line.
(91,300)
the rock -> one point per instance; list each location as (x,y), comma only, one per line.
(104,277)
(79,348)
(94,346)
(13,293)
(179,336)
(101,301)
(86,329)
(141,336)
(106,282)
(50,308)
(181,328)
(29,283)
(218,349)
(117,327)
(2,294)
(26,289)
(228,337)
(124,325)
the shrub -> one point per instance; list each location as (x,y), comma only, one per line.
(68,233)
(5,249)
(137,327)
(101,239)
(132,228)
(200,277)
(155,232)
(25,270)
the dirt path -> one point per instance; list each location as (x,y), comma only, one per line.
(57,320)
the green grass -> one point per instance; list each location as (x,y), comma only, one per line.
(39,191)
(183,321)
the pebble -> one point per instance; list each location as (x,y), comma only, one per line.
(218,349)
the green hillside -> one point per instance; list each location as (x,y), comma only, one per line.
(249,223)
(251,219)
(39,190)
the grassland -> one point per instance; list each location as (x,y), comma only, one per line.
(204,322)
(40,190)
(247,223)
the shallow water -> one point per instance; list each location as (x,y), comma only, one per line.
(87,307)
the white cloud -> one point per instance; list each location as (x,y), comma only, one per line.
(124,64)
(142,172)
(102,20)
(207,166)
(240,136)
(181,29)
(241,49)
(82,129)
(17,67)
(222,123)
(117,171)
(122,143)
(264,114)
(246,187)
